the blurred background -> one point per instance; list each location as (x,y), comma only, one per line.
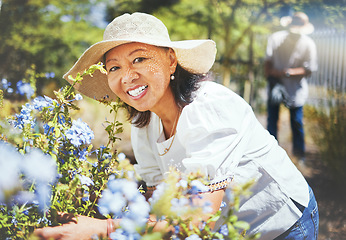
(41,39)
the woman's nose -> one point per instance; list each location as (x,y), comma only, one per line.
(129,76)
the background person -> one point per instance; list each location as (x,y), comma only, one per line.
(290,58)
(180,118)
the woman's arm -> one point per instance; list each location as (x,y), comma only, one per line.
(215,198)
(74,228)
(82,227)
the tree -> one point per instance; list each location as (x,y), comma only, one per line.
(50,35)
(240,28)
(118,7)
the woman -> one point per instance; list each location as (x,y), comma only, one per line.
(180,119)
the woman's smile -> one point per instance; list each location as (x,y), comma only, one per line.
(138,92)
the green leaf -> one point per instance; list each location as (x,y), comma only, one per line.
(241,225)
(153,236)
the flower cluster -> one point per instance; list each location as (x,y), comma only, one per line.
(10,161)
(6,85)
(24,180)
(123,200)
(24,88)
(79,133)
(24,117)
(29,183)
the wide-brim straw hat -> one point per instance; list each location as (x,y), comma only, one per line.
(298,23)
(196,56)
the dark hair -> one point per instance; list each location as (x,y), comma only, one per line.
(183,87)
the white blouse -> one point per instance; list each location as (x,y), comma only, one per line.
(219,134)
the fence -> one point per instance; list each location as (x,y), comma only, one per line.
(330,79)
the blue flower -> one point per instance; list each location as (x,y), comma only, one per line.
(123,199)
(121,156)
(24,197)
(224,230)
(86,196)
(25,89)
(223,204)
(44,220)
(138,213)
(197,187)
(84,180)
(79,133)
(182,183)
(26,212)
(24,117)
(193,237)
(158,193)
(121,234)
(176,229)
(81,154)
(78,97)
(41,102)
(10,90)
(50,75)
(180,205)
(47,129)
(14,221)
(6,85)
(61,119)
(102,154)
(10,162)
(43,195)
(72,172)
(111,203)
(39,167)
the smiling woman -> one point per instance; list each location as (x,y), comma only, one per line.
(181,120)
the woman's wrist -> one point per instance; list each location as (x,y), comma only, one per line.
(110,226)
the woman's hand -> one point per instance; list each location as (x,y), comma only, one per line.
(79,227)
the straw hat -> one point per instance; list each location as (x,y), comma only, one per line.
(196,56)
(299,23)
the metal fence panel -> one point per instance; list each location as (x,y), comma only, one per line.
(331,50)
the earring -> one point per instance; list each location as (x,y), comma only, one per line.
(172,77)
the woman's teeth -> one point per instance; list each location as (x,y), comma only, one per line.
(137,91)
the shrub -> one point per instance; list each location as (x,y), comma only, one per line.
(328,130)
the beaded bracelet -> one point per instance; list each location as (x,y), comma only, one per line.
(110,227)
(212,187)
(219,185)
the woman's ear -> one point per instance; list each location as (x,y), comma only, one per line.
(173,60)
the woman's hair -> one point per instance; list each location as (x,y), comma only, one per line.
(183,87)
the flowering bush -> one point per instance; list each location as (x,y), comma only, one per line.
(53,167)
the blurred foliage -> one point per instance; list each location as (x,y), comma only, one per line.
(48,34)
(118,7)
(328,130)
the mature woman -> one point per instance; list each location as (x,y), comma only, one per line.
(181,119)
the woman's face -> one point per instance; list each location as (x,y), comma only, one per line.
(139,74)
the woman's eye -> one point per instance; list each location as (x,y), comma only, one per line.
(113,69)
(138,60)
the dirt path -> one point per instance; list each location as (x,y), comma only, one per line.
(331,197)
